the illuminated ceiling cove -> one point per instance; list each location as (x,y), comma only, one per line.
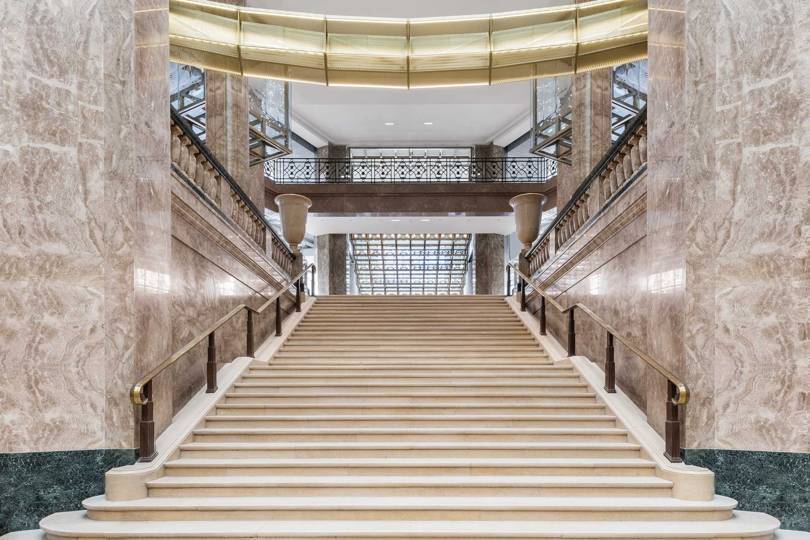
(408,53)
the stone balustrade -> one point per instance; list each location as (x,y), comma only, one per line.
(201,169)
(623,162)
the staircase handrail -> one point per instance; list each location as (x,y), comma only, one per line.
(141,392)
(677,390)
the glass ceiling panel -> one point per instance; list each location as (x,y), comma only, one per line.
(404,264)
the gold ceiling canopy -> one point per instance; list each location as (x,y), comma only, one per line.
(407,53)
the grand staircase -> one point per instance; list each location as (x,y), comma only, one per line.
(410,417)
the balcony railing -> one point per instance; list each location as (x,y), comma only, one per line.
(409,170)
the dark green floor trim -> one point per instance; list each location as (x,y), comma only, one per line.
(777,483)
(36,484)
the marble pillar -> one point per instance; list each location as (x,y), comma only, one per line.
(727,211)
(84,282)
(489,264)
(331,253)
(488,151)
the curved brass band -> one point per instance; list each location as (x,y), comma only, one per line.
(683,391)
(136,392)
(407,53)
(682,396)
(136,395)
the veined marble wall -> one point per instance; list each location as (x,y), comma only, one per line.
(729,209)
(713,279)
(84,214)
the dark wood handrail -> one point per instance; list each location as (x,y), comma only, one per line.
(141,392)
(677,391)
(629,131)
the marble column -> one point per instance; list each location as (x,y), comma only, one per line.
(84,277)
(489,263)
(590,130)
(331,251)
(488,151)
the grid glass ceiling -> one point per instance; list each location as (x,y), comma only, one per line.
(410,263)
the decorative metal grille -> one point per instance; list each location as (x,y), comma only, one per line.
(404,264)
(416,170)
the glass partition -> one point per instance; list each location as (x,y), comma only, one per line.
(269,117)
(551,118)
(187,95)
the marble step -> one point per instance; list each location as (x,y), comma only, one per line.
(397,398)
(447,355)
(536,381)
(420,346)
(371,407)
(408,486)
(415,361)
(748,525)
(413,420)
(403,434)
(431,466)
(512,332)
(394,449)
(405,370)
(442,388)
(411,508)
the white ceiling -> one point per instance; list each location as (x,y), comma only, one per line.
(461,116)
(391,224)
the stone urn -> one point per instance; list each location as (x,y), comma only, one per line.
(528,208)
(293,209)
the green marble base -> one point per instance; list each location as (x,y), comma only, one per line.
(36,484)
(777,483)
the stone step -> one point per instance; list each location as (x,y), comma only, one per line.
(413,420)
(415,361)
(544,380)
(400,434)
(414,388)
(411,508)
(400,397)
(437,347)
(409,486)
(404,370)
(449,355)
(464,466)
(371,407)
(408,449)
(750,525)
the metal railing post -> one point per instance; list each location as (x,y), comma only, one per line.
(508,280)
(211,365)
(312,282)
(146,451)
(278,316)
(250,342)
(610,366)
(542,315)
(298,295)
(522,294)
(672,426)
(572,334)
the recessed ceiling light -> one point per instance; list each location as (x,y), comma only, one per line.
(424,220)
(396,220)
(389,123)
(428,123)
